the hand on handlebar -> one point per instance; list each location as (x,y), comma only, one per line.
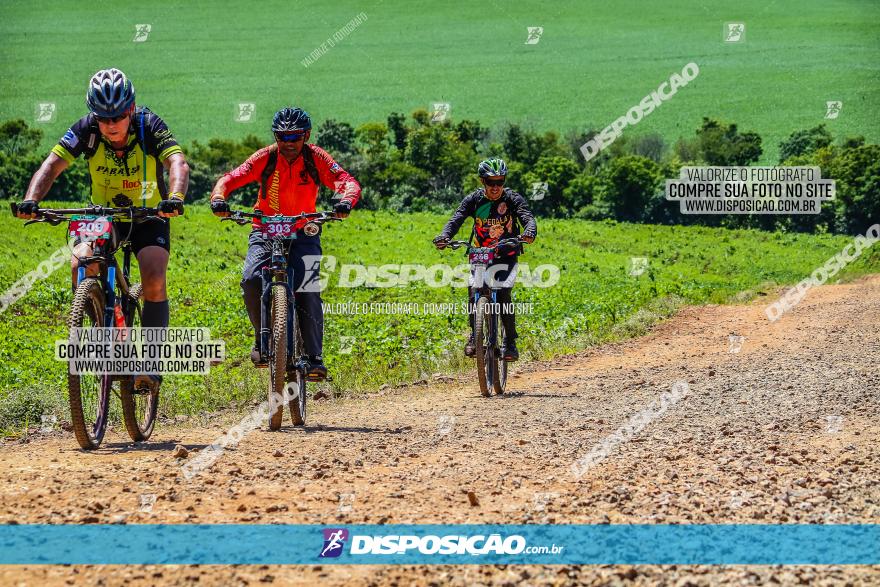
(27,210)
(441,242)
(342,209)
(170,208)
(220,208)
(528,239)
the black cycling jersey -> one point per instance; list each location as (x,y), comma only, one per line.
(494,220)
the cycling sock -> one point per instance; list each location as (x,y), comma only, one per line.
(155,314)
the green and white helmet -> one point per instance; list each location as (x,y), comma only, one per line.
(492,167)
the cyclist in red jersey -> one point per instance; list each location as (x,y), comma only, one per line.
(289,186)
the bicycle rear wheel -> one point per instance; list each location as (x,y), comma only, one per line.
(297,387)
(483,348)
(277,355)
(89,395)
(138,408)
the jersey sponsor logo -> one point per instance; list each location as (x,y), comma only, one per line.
(273,192)
(164,139)
(130,185)
(118,170)
(335,169)
(70,139)
(502,208)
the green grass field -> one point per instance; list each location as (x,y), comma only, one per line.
(596,298)
(594,61)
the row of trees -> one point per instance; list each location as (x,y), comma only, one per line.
(418,164)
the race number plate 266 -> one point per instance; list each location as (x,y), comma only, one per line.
(482,257)
(89,227)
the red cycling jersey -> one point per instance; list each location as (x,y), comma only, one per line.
(290,190)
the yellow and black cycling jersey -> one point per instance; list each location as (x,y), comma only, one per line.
(120,180)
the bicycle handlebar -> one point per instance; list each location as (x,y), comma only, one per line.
(56,216)
(241,217)
(513,241)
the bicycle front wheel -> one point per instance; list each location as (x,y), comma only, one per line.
(277,356)
(482,328)
(89,394)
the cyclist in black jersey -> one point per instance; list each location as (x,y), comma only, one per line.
(498,212)
(124,146)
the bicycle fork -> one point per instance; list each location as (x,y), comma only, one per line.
(493,320)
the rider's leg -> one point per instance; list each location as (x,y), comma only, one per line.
(82,250)
(470,346)
(151,247)
(508,318)
(304,263)
(504,281)
(258,256)
(153,265)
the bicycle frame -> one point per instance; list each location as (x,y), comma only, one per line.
(109,277)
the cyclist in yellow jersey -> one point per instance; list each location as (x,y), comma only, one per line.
(124,147)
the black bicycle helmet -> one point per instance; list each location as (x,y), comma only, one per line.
(110,93)
(291,120)
(492,167)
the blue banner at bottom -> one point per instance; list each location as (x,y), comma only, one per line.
(786,544)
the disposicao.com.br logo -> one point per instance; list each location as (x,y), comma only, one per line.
(393,544)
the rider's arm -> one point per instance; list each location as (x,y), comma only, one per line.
(161,142)
(525,216)
(242,175)
(178,175)
(45,176)
(69,147)
(333,176)
(466,209)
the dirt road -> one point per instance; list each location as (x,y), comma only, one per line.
(783,429)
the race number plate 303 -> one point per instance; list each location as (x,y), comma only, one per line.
(279,227)
(482,257)
(88,227)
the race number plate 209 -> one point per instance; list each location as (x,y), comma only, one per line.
(89,228)
(279,226)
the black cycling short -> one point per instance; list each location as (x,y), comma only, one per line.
(152,233)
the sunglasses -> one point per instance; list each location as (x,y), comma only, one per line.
(495,183)
(108,120)
(290,137)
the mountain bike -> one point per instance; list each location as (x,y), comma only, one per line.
(108,299)
(280,338)
(488,328)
